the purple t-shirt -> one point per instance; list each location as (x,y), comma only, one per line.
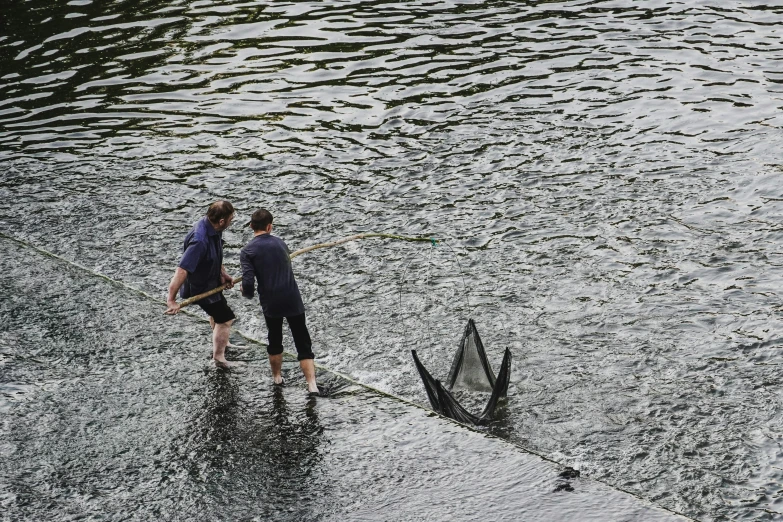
(266,259)
(202,258)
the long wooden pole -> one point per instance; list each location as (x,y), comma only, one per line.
(191,300)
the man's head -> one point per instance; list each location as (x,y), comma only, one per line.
(220,214)
(260,220)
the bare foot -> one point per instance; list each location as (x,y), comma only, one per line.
(223,364)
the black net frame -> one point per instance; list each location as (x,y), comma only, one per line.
(441,399)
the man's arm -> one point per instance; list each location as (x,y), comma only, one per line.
(187,265)
(248,275)
(180,275)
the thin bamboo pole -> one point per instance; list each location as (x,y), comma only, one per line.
(191,300)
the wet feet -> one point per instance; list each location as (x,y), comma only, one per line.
(223,364)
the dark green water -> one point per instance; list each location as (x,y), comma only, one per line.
(607,175)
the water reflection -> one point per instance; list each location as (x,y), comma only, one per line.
(256,445)
(296,442)
(219,423)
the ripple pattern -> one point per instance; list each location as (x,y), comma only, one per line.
(606,177)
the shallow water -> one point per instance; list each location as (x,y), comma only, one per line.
(104,420)
(605,177)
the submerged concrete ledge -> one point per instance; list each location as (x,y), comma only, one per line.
(112,412)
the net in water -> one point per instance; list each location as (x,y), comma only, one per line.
(469,370)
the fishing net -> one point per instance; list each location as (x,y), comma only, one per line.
(470,370)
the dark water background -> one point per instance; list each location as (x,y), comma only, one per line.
(606,176)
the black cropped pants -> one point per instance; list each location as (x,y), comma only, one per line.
(298,327)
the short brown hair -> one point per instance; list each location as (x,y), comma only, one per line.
(220,210)
(260,219)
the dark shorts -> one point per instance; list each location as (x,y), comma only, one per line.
(219,310)
(298,327)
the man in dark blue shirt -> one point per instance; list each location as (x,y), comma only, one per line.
(266,259)
(201,269)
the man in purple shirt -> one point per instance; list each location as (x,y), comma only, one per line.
(266,259)
(201,269)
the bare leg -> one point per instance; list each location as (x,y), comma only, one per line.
(228,344)
(276,362)
(220,334)
(308,369)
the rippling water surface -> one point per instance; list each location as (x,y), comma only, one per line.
(605,174)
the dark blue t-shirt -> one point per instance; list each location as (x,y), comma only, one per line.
(202,258)
(267,259)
